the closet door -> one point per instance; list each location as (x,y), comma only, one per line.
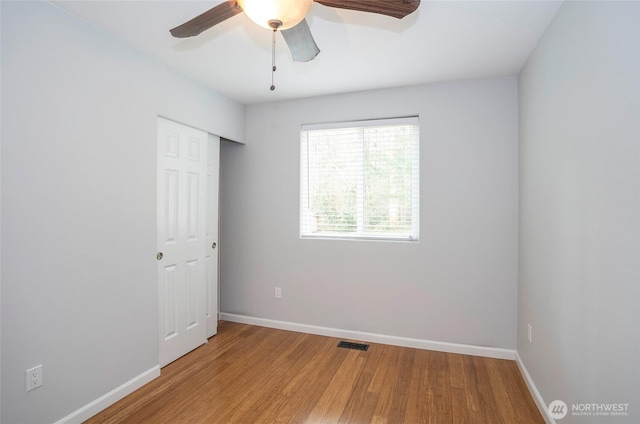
(181,255)
(212,258)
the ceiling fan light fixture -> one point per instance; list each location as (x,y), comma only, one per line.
(289,12)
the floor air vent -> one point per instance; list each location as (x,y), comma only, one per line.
(351,345)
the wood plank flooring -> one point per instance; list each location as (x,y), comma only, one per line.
(251,375)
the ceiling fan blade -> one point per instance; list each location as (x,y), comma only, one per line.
(396,8)
(206,20)
(301,43)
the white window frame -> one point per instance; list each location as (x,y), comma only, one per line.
(306,233)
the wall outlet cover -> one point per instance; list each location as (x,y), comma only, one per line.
(33,378)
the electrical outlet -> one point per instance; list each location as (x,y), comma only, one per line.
(529,331)
(34,377)
(278,293)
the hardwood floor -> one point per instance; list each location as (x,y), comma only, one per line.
(249,375)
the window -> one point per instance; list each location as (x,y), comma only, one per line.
(360,180)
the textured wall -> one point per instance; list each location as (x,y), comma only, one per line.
(79,206)
(458,284)
(579,267)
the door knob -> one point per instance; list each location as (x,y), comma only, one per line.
(159,256)
(213,246)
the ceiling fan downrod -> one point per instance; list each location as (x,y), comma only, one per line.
(274,24)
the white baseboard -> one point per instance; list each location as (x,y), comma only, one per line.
(489,352)
(542,407)
(110,398)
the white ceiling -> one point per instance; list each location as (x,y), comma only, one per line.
(441,41)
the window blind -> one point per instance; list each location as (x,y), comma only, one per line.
(360,179)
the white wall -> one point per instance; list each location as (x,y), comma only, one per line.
(78,206)
(458,284)
(0,225)
(579,266)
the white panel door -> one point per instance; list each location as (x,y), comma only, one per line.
(213,175)
(182,185)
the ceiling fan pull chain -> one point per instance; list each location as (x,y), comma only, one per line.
(273,24)
(273,58)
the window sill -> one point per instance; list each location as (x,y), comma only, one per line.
(360,238)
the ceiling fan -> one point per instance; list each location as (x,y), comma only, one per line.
(288,17)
